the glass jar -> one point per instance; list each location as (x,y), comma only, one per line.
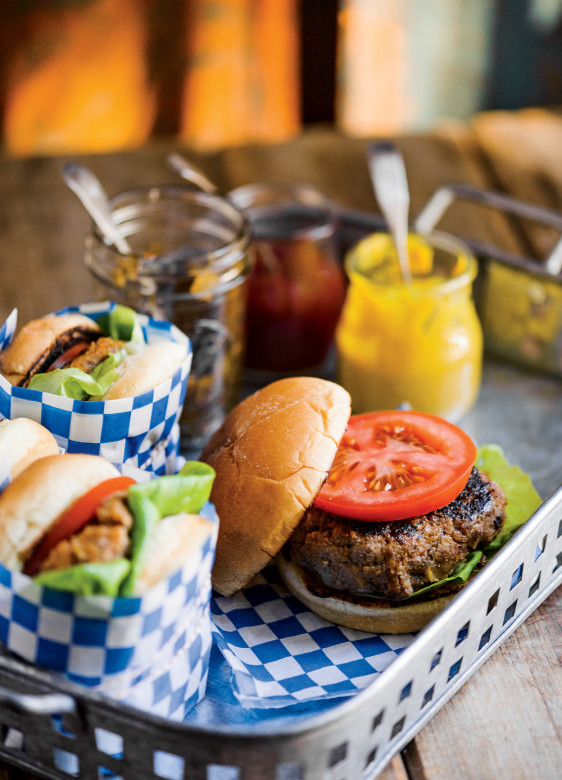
(189,265)
(297,287)
(417,343)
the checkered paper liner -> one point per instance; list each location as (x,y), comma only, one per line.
(177,678)
(142,431)
(150,651)
(280,653)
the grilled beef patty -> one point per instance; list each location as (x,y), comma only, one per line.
(393,560)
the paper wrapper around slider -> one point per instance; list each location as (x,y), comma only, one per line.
(141,431)
(150,651)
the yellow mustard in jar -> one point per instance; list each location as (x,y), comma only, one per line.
(418,343)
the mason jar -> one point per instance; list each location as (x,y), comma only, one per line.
(418,343)
(189,264)
(297,286)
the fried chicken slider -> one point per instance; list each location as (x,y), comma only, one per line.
(74,523)
(72,355)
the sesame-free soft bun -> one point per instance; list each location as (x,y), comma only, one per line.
(172,543)
(22,441)
(146,369)
(33,502)
(33,348)
(271,456)
(378,617)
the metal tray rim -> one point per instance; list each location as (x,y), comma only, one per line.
(316,722)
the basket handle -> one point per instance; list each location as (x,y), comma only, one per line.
(40,704)
(442,198)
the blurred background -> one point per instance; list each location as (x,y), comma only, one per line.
(106,75)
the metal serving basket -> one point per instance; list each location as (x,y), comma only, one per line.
(44,718)
(56,729)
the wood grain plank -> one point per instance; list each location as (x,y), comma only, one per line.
(396,770)
(522,150)
(505,721)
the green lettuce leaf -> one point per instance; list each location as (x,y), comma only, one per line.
(522,498)
(77,384)
(149,502)
(458,577)
(87,579)
(106,372)
(122,324)
(69,382)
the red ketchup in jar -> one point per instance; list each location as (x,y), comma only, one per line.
(295,295)
(297,286)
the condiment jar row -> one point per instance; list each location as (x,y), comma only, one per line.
(255,279)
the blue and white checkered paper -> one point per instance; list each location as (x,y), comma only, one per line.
(150,651)
(281,653)
(142,431)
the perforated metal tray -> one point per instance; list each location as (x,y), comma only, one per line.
(353,740)
(56,729)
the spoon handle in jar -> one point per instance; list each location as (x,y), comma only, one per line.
(87,187)
(388,174)
(191,173)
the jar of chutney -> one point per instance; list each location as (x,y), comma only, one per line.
(189,264)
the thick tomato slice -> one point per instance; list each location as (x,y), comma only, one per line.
(68,356)
(75,518)
(395,465)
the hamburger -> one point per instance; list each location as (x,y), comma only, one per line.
(74,523)
(23,441)
(75,356)
(374,521)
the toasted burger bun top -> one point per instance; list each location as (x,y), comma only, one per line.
(173,542)
(376,617)
(34,501)
(22,441)
(271,456)
(36,339)
(146,369)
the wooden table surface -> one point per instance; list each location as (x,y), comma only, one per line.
(505,722)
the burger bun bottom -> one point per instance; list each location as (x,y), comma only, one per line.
(376,618)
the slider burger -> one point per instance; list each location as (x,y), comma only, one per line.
(374,520)
(22,441)
(75,356)
(74,523)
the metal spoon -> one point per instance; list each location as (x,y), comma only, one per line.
(190,172)
(388,175)
(94,199)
